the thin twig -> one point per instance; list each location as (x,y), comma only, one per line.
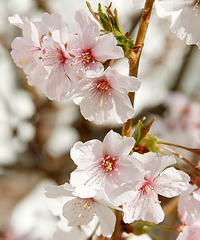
(196,168)
(193,150)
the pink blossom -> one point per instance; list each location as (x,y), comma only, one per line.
(106,95)
(61,79)
(88,48)
(183,16)
(189,234)
(189,210)
(105,164)
(82,203)
(26,50)
(169,183)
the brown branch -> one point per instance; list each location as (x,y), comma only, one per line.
(133,70)
(135,57)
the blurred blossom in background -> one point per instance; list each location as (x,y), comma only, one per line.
(36,134)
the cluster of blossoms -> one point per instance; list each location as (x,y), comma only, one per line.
(108,176)
(69,66)
(183,17)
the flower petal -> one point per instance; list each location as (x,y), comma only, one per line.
(86,154)
(171,182)
(107,219)
(116,145)
(78,211)
(157,165)
(106,48)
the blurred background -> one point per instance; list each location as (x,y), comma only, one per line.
(36,134)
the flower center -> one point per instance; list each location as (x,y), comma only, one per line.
(53,57)
(87,57)
(101,90)
(82,207)
(82,56)
(108,164)
(148,189)
(103,86)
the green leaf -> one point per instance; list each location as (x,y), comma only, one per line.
(145,142)
(110,23)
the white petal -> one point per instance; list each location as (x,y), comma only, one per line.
(157,165)
(189,233)
(171,182)
(86,154)
(64,232)
(87,29)
(196,194)
(95,110)
(58,84)
(58,191)
(16,20)
(184,198)
(106,48)
(145,207)
(53,21)
(122,109)
(171,5)
(78,211)
(116,145)
(107,219)
(121,82)
(130,169)
(83,191)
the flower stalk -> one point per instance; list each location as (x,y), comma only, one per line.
(193,150)
(195,167)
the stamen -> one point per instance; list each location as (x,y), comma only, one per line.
(196,7)
(83,56)
(100,90)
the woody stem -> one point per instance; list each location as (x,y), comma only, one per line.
(133,71)
(135,57)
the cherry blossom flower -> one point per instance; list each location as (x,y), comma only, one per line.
(26,50)
(105,164)
(62,78)
(82,203)
(189,210)
(169,183)
(46,62)
(184,18)
(189,234)
(88,48)
(105,95)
